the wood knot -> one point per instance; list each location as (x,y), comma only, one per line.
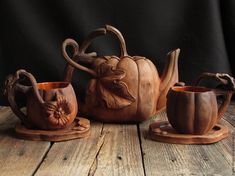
(119,157)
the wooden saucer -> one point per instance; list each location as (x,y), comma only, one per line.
(162,131)
(78,129)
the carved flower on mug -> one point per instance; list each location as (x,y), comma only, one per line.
(58,111)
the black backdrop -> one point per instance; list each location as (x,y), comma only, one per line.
(31,34)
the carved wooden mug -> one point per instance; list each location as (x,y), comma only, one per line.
(125,88)
(50,105)
(193,109)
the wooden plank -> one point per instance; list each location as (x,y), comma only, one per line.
(120,153)
(18,157)
(174,159)
(112,149)
(73,157)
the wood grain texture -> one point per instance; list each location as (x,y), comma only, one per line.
(73,157)
(120,153)
(18,157)
(114,150)
(174,159)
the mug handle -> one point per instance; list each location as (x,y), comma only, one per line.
(12,86)
(228,82)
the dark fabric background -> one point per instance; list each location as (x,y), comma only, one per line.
(31,34)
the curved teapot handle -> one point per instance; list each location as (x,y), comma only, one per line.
(80,55)
(12,86)
(229,83)
(104,31)
(69,69)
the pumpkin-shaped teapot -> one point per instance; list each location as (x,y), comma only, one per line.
(125,88)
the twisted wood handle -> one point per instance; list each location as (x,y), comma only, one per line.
(12,86)
(229,83)
(80,55)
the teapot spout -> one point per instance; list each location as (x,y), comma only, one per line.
(169,77)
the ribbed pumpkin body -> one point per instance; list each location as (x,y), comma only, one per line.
(192,110)
(126,87)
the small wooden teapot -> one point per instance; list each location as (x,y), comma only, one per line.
(50,105)
(125,88)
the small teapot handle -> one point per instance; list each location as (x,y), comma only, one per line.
(12,86)
(229,83)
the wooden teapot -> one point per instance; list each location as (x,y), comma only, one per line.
(123,89)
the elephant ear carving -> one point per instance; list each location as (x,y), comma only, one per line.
(112,90)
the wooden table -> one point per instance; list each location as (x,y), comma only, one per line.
(114,149)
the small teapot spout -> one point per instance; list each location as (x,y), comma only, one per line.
(169,77)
